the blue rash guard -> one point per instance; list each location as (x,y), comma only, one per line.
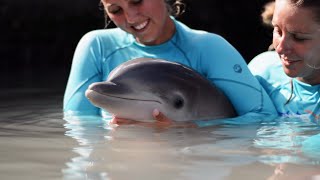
(100,51)
(305,99)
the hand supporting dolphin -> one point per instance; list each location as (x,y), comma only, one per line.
(137,87)
(161,122)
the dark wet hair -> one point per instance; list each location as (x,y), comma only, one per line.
(314,5)
(175,8)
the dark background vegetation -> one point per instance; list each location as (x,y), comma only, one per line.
(38,37)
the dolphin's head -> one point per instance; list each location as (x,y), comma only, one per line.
(135,88)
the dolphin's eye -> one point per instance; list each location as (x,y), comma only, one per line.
(178,103)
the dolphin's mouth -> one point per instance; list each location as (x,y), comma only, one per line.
(91,93)
(132,99)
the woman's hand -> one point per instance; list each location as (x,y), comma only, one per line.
(161,121)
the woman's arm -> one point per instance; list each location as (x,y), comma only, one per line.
(224,66)
(84,71)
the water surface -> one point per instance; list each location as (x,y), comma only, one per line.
(37,143)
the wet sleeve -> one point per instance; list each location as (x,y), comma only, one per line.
(225,67)
(85,70)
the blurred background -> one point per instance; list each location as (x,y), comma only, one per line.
(38,37)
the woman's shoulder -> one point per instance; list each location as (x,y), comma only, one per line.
(105,39)
(267,67)
(192,36)
(269,57)
(265,62)
(207,44)
(113,34)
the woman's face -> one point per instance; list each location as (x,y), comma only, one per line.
(148,20)
(296,38)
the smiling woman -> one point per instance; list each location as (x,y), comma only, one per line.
(148,29)
(149,24)
(291,73)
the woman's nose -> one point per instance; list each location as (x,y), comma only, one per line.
(131,15)
(282,45)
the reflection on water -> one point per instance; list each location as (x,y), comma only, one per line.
(289,141)
(141,152)
(36,143)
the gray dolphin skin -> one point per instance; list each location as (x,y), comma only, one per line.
(135,88)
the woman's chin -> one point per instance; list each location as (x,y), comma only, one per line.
(290,73)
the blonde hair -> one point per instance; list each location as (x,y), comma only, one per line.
(267,14)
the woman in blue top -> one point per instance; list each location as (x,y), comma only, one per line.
(291,73)
(147,29)
(291,76)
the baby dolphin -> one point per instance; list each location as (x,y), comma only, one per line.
(137,87)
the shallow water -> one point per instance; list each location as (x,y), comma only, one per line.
(37,143)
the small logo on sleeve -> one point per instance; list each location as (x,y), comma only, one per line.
(237,68)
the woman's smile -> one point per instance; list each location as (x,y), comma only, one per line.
(289,62)
(142,26)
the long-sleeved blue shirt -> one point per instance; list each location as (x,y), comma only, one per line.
(100,51)
(305,98)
